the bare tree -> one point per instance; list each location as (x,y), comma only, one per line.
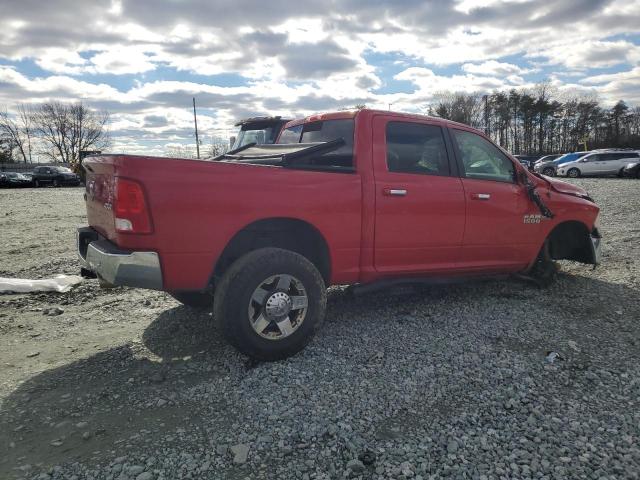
(217,147)
(459,107)
(68,129)
(19,130)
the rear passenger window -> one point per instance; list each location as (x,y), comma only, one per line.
(416,148)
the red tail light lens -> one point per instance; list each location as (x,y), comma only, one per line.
(131,212)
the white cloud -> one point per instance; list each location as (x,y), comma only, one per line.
(492,67)
(122,60)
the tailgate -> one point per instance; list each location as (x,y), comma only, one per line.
(99,194)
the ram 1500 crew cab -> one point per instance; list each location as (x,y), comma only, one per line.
(360,197)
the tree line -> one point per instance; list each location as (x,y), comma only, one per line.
(56,131)
(541,121)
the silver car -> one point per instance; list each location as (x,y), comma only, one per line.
(604,162)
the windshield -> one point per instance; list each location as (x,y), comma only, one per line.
(63,170)
(324,131)
(258,136)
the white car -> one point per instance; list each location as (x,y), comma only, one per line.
(611,162)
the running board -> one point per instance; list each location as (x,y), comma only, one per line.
(364,288)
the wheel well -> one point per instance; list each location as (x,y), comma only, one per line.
(571,241)
(287,233)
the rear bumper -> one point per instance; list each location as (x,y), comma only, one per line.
(117,266)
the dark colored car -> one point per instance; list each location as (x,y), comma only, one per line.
(13,179)
(527,160)
(632,170)
(56,176)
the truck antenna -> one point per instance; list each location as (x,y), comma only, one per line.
(195,121)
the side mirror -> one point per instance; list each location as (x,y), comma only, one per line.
(584,160)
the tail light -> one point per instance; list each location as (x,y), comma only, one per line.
(131,212)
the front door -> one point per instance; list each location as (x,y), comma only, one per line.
(502,228)
(420,206)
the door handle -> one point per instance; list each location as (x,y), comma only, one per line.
(481,196)
(394,192)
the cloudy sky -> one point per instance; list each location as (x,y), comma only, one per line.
(143,60)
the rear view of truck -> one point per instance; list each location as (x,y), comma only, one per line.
(117,212)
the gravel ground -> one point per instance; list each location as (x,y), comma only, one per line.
(405,384)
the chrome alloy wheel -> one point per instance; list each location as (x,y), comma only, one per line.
(278,307)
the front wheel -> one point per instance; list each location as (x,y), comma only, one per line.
(270,303)
(56,182)
(573,173)
(36,183)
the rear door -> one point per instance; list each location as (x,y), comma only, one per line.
(502,226)
(420,209)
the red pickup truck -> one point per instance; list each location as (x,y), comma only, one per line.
(367,197)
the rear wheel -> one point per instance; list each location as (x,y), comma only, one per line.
(573,173)
(270,303)
(549,172)
(199,300)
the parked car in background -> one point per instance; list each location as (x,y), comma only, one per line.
(54,175)
(549,167)
(547,158)
(13,179)
(632,170)
(352,197)
(527,160)
(601,162)
(28,176)
(258,130)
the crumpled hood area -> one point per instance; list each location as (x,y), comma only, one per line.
(568,188)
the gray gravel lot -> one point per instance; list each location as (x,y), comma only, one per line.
(405,384)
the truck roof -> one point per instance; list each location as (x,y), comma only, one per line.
(342,114)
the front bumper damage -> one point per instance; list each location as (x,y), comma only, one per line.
(116,266)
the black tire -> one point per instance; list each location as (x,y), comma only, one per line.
(234,296)
(638,174)
(198,300)
(545,270)
(56,182)
(549,172)
(573,173)
(36,183)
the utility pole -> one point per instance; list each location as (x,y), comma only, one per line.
(195,121)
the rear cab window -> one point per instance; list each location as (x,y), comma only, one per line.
(323,131)
(416,148)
